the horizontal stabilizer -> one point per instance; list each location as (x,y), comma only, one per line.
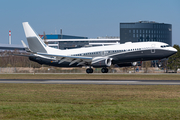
(25,46)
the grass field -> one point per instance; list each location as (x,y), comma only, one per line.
(94,76)
(56,101)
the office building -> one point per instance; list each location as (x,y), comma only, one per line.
(143,31)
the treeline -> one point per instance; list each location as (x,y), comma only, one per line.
(7,59)
(174,60)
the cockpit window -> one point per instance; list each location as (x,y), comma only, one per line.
(163,46)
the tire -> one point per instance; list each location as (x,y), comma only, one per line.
(104,70)
(89,70)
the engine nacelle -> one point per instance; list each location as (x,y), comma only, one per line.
(101,62)
(134,63)
(127,64)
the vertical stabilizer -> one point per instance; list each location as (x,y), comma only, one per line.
(34,41)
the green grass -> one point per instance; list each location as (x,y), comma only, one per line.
(56,101)
(94,76)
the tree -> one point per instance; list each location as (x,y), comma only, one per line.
(146,65)
(174,60)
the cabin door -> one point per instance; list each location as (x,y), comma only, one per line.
(153,48)
(104,53)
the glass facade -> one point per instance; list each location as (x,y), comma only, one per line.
(145,31)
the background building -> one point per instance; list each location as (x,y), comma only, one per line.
(143,31)
(69,42)
(59,36)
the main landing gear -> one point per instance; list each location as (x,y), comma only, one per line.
(90,70)
(104,70)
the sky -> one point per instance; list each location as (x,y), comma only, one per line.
(89,18)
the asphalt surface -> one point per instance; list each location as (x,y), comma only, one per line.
(98,82)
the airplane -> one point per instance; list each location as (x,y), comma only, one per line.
(94,57)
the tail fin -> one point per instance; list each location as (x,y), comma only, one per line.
(34,41)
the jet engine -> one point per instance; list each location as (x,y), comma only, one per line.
(101,62)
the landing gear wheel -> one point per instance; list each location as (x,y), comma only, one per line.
(104,70)
(89,70)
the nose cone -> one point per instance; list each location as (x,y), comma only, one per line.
(173,51)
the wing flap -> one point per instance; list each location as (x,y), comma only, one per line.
(72,59)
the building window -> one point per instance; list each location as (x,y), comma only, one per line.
(129,31)
(133,31)
(136,31)
(133,35)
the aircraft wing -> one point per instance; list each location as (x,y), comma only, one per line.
(72,59)
(23,55)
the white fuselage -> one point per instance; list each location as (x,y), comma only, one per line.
(111,50)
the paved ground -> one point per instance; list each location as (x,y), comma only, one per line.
(99,82)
